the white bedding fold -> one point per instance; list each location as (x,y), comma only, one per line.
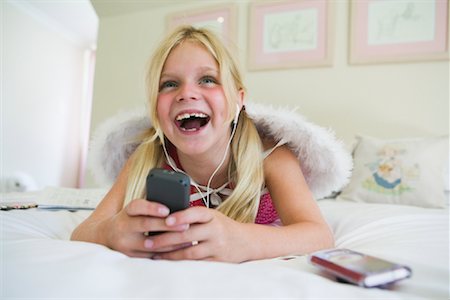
(39,261)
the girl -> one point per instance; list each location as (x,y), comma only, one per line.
(240,180)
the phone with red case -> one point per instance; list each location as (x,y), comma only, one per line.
(359,268)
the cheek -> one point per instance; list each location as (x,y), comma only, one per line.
(220,103)
(162,109)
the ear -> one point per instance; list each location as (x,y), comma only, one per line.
(241,97)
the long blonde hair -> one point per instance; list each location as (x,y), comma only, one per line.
(245,169)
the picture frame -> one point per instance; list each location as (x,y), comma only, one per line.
(291,34)
(398,31)
(221,19)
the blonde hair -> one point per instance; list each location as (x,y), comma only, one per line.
(245,169)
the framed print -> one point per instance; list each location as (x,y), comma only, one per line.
(290,34)
(398,31)
(219,19)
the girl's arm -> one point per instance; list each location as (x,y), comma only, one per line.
(221,238)
(122,228)
(93,228)
(305,229)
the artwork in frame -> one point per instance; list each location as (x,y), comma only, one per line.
(384,31)
(219,19)
(290,34)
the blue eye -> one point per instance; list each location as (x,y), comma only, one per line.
(167,85)
(208,80)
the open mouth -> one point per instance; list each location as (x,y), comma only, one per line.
(192,121)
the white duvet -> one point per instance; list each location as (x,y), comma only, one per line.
(39,261)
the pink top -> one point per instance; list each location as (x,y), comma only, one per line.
(266,212)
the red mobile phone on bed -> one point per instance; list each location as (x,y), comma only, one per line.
(169,188)
(359,268)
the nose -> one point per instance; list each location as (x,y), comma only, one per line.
(187,92)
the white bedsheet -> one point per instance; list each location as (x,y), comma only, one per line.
(39,261)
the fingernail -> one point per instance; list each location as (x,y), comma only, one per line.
(164,211)
(148,244)
(170,221)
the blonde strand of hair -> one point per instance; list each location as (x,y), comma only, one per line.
(242,205)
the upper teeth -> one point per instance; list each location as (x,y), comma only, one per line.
(190,115)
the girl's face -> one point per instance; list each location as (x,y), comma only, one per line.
(191,105)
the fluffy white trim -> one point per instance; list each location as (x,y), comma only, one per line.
(112,143)
(323,159)
(325,163)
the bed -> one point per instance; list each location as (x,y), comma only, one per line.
(393,206)
(39,260)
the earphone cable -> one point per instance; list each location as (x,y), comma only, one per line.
(206,200)
(221,163)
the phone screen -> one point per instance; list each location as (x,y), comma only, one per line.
(361,263)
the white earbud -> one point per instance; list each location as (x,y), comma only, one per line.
(236,117)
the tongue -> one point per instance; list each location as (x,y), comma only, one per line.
(192,124)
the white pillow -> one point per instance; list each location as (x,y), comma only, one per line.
(400,171)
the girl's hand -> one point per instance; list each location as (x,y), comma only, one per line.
(210,236)
(126,230)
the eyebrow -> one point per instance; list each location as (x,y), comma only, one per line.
(199,70)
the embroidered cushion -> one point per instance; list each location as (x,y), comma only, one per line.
(400,171)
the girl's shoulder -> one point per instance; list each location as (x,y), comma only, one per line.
(270,145)
(278,158)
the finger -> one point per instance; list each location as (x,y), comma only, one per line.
(138,244)
(141,254)
(197,252)
(172,248)
(196,233)
(142,207)
(151,224)
(191,215)
(131,244)
(167,241)
(212,258)
(141,224)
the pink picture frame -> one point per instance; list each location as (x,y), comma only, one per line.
(399,31)
(221,19)
(291,34)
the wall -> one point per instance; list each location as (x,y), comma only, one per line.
(42,90)
(385,100)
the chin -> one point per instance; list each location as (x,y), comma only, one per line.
(192,148)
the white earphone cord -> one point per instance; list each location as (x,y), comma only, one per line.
(215,171)
(169,161)
(221,163)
